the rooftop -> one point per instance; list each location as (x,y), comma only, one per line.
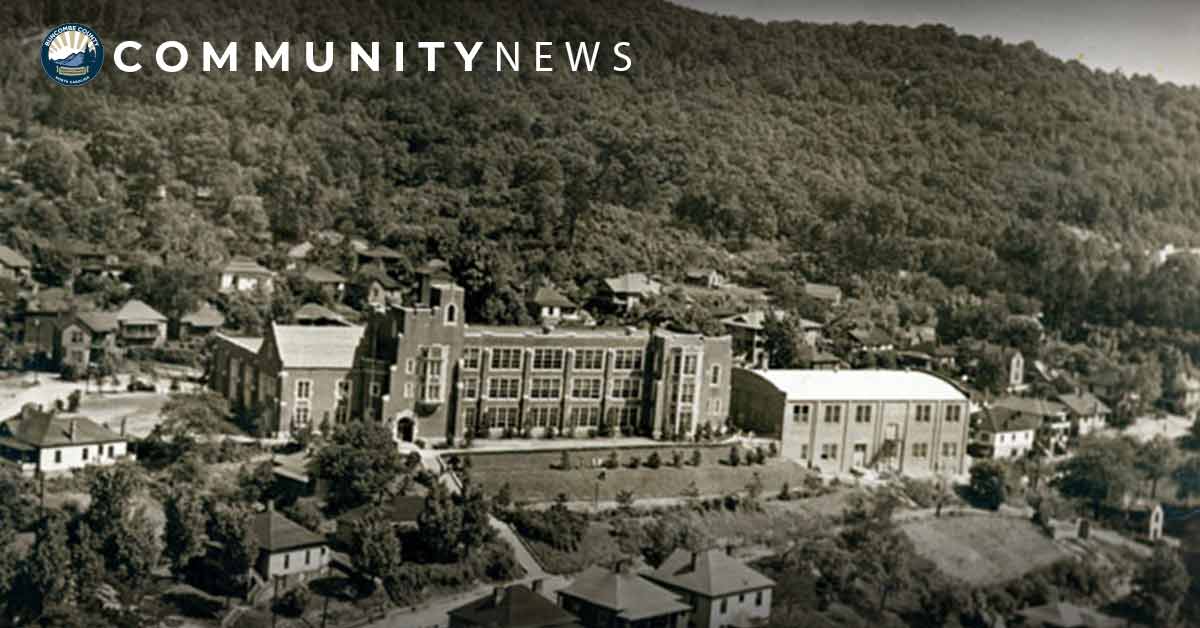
(250,343)
(98,322)
(514,607)
(1006,420)
(547,296)
(34,428)
(711,573)
(633,283)
(557,332)
(823,291)
(1067,615)
(137,311)
(276,533)
(316,274)
(315,312)
(754,319)
(632,597)
(1084,404)
(13,259)
(1029,405)
(205,316)
(245,266)
(301,346)
(866,385)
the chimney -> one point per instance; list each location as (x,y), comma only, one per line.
(74,426)
(497,596)
(536,585)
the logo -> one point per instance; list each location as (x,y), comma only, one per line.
(72,54)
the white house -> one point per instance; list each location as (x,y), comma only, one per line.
(721,589)
(50,443)
(287,550)
(243,274)
(1009,433)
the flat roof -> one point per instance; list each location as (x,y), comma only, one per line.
(860,385)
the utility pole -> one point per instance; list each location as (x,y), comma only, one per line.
(274,601)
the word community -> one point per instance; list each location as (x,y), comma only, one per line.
(431,56)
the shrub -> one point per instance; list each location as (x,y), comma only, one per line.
(591,432)
(677,459)
(625,500)
(613,461)
(551,432)
(634,462)
(293,603)
(735,456)
(697,458)
(760,455)
(987,488)
(785,492)
(556,526)
(653,461)
(564,461)
(773,449)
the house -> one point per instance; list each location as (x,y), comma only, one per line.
(918,335)
(298,253)
(316,314)
(47,442)
(331,283)
(287,551)
(1050,414)
(601,598)
(704,277)
(45,313)
(749,338)
(1065,615)
(13,265)
(1085,411)
(141,325)
(201,322)
(1105,384)
(242,274)
(871,340)
(910,422)
(551,306)
(1007,433)
(831,295)
(822,360)
(88,258)
(85,339)
(721,589)
(381,256)
(515,606)
(625,292)
(376,288)
(401,511)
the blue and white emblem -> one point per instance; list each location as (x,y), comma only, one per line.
(72,54)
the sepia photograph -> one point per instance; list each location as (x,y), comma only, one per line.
(600,314)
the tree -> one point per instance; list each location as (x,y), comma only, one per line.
(184,530)
(1100,473)
(229,528)
(43,581)
(1191,440)
(1187,478)
(439,525)
(663,535)
(191,416)
(256,482)
(360,462)
(1160,585)
(1156,458)
(625,500)
(18,508)
(374,547)
(988,485)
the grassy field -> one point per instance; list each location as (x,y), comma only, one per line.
(982,550)
(141,409)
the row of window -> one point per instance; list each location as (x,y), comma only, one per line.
(551,388)
(548,416)
(801,413)
(85,453)
(552,359)
(758,601)
(829,451)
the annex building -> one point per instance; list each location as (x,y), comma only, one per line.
(427,374)
(834,420)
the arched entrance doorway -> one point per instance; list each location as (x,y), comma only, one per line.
(406,430)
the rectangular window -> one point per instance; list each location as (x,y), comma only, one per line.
(57,456)
(547,359)
(545,388)
(804,452)
(506,359)
(625,388)
(714,406)
(950,450)
(862,414)
(470,387)
(924,413)
(76,337)
(504,388)
(758,598)
(287,561)
(953,414)
(627,359)
(833,414)
(433,359)
(500,418)
(546,416)
(470,413)
(724,605)
(410,366)
(471,358)
(687,391)
(302,415)
(624,415)
(586,388)
(85,453)
(920,450)
(341,395)
(112,452)
(800,413)
(307,557)
(408,390)
(829,451)
(304,389)
(376,389)
(589,359)
(715,378)
(585,417)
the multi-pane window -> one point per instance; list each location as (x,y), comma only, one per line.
(804,452)
(545,416)
(828,451)
(953,414)
(833,414)
(547,359)
(506,359)
(924,413)
(76,336)
(800,413)
(471,358)
(626,388)
(545,388)
(920,450)
(687,391)
(684,364)
(504,388)
(627,359)
(589,359)
(862,414)
(408,390)
(714,406)
(470,414)
(302,415)
(585,417)
(410,366)
(470,387)
(304,389)
(624,415)
(433,361)
(586,388)
(950,450)
(342,395)
(714,377)
(500,418)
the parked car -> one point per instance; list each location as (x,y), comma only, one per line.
(140,385)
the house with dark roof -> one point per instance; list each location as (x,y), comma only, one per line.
(375,288)
(1085,411)
(749,338)
(549,305)
(45,313)
(242,274)
(141,325)
(86,338)
(722,590)
(331,283)
(625,292)
(287,550)
(317,315)
(1006,432)
(381,256)
(38,440)
(603,598)
(516,606)
(704,277)
(401,511)
(824,292)
(200,322)
(13,265)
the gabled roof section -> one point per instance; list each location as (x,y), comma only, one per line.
(627,594)
(711,573)
(13,259)
(1007,420)
(547,296)
(39,429)
(205,316)
(316,274)
(251,344)
(315,312)
(276,533)
(381,252)
(242,265)
(138,312)
(300,251)
(307,347)
(823,291)
(633,283)
(1067,615)
(98,322)
(514,607)
(1084,404)
(1029,405)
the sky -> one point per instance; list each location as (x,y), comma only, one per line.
(1156,37)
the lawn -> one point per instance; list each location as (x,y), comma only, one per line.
(142,410)
(983,549)
(536,477)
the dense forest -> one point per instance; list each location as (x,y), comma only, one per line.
(785,151)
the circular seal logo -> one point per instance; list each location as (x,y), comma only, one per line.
(72,54)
